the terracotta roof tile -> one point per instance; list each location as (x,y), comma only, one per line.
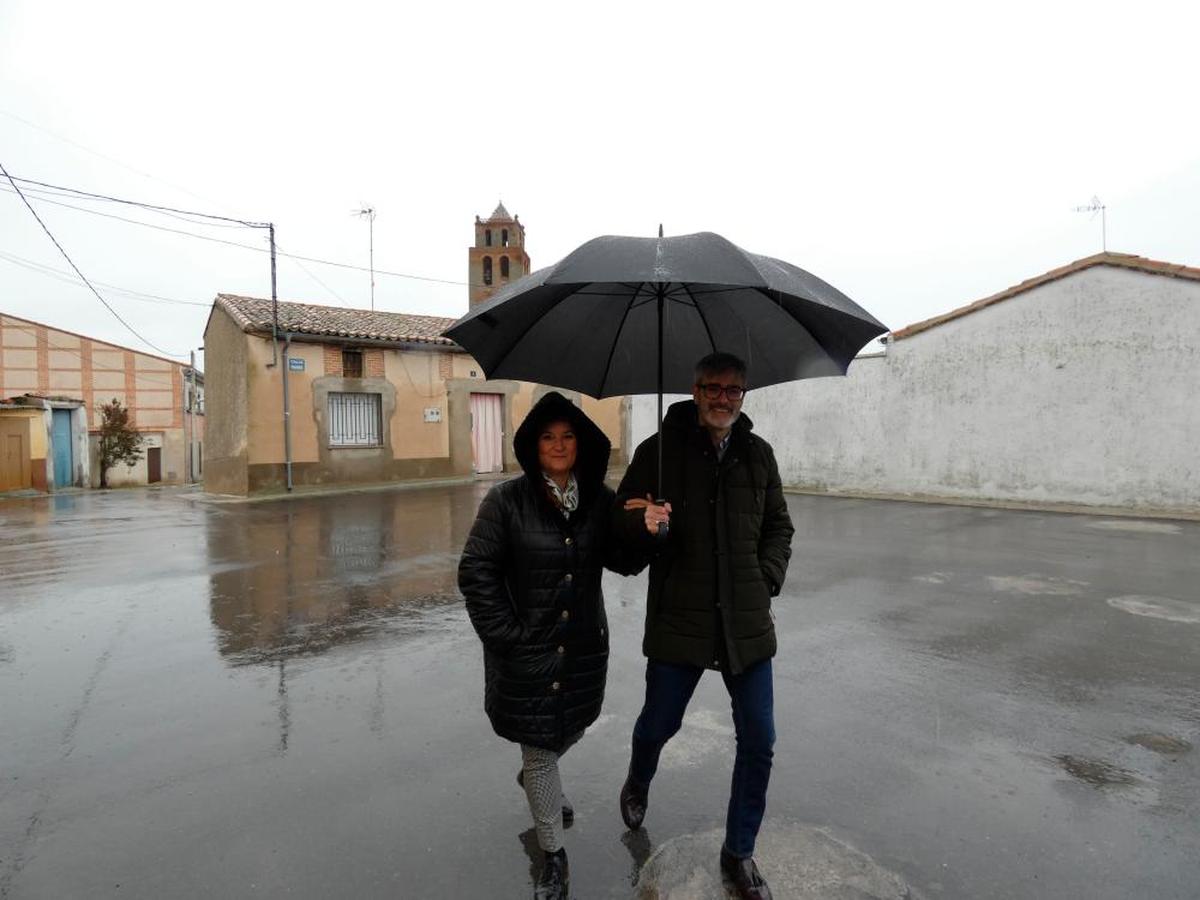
(1120,260)
(253,314)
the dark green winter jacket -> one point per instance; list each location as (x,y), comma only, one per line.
(712,581)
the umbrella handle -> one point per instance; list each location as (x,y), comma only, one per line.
(664,528)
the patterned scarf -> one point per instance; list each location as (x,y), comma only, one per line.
(566,499)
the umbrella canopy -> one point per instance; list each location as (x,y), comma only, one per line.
(629,315)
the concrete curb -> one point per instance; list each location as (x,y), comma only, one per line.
(331,491)
(1079,509)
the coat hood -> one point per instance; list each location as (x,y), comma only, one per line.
(593,446)
(684,414)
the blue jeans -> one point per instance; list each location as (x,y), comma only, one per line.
(669,687)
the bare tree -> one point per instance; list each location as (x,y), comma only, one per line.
(119,442)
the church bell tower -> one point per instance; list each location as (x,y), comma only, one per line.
(498,257)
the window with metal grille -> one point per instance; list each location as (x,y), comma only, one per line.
(352,364)
(355,420)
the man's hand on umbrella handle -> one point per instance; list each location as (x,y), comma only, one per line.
(657,516)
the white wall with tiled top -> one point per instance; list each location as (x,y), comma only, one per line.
(1080,391)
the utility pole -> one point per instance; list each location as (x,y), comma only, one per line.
(190,406)
(1096,206)
(368,212)
(274,299)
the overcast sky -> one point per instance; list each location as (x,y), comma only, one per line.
(918,156)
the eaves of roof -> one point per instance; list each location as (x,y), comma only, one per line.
(255,315)
(1118,260)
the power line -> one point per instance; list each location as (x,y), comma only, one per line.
(215,240)
(67,257)
(66,277)
(49,194)
(100,155)
(313,276)
(96,212)
(143,205)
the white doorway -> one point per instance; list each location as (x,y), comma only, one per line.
(487,432)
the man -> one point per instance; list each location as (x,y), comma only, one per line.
(711,582)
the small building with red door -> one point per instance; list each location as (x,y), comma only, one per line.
(350,396)
(301,395)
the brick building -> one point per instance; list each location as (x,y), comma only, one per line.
(52,385)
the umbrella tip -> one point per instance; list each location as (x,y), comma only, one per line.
(660,229)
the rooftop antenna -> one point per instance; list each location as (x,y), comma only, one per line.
(368,212)
(1098,207)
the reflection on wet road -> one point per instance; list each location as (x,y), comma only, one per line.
(290,579)
(279,698)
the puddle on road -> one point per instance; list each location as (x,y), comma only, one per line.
(1096,772)
(1158,608)
(933,578)
(1160,743)
(1036,585)
(251,631)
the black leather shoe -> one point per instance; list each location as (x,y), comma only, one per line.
(555,881)
(634,801)
(568,809)
(743,876)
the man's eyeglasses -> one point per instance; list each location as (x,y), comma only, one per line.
(734,392)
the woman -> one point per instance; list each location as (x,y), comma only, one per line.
(530,573)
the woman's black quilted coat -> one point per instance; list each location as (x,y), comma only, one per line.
(531,580)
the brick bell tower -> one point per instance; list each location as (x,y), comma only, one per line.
(498,256)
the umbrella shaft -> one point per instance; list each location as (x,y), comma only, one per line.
(661,303)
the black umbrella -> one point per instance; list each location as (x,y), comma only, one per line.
(628,315)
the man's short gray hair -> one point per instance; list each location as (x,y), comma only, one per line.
(718,362)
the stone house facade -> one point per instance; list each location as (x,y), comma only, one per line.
(343,396)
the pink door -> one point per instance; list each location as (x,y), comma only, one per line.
(487,432)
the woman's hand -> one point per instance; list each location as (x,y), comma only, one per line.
(654,515)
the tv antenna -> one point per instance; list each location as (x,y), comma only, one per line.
(368,212)
(1098,207)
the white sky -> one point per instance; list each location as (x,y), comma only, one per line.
(918,156)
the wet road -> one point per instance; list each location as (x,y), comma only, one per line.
(284,699)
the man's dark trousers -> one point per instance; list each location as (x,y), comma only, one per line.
(669,687)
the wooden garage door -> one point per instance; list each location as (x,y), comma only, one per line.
(15,472)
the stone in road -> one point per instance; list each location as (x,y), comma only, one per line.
(799,862)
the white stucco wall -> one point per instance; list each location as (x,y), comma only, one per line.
(1085,390)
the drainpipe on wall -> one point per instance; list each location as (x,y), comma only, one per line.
(287,411)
